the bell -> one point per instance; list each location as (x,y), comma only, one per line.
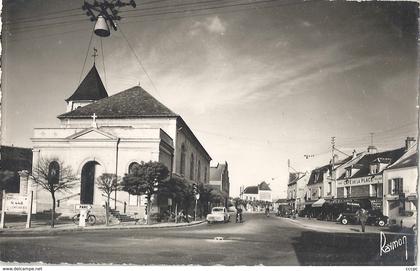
(101,27)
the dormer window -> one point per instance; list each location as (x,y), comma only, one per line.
(374,168)
(348,172)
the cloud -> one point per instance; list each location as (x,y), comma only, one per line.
(211,25)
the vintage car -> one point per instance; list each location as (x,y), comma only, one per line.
(218,214)
(375,217)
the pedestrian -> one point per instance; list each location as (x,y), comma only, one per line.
(362,216)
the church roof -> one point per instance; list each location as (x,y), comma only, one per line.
(91,88)
(130,103)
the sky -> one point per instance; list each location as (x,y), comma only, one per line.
(259,82)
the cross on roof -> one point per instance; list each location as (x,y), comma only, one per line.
(94,120)
(95,54)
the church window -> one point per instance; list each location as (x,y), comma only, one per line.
(205,174)
(192,167)
(132,166)
(53,172)
(182,171)
(198,170)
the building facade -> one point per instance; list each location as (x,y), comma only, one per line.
(100,134)
(400,182)
(219,179)
(296,189)
(363,180)
(261,192)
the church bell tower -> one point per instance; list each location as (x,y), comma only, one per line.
(90,90)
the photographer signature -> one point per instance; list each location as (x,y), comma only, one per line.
(392,245)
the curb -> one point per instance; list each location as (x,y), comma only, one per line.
(88,229)
(321,229)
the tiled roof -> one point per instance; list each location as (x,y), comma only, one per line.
(131,103)
(91,88)
(216,172)
(264,186)
(367,159)
(251,190)
(317,175)
(409,159)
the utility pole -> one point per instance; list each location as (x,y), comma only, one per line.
(333,160)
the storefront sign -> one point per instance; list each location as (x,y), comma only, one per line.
(16,203)
(360,181)
(376,204)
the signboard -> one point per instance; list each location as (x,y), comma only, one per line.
(197,196)
(82,206)
(361,181)
(376,204)
(16,203)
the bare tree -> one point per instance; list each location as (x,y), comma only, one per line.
(108,183)
(52,175)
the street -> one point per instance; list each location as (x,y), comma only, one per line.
(259,240)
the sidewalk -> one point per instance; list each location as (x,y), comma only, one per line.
(332,226)
(19,228)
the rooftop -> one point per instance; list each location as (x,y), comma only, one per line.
(251,190)
(90,89)
(390,156)
(217,171)
(134,102)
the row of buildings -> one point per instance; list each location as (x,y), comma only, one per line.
(383,180)
(110,134)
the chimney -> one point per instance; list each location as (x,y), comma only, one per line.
(354,154)
(372,149)
(409,142)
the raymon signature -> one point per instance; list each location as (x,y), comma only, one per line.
(391,246)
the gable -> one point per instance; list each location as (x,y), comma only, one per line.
(91,134)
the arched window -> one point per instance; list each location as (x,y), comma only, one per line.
(182,170)
(199,171)
(192,167)
(132,166)
(205,174)
(53,173)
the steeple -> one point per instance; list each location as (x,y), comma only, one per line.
(90,90)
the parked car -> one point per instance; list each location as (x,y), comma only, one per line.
(406,220)
(218,214)
(375,217)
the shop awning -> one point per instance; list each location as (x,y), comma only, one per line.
(318,203)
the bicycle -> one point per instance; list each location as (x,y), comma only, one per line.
(90,219)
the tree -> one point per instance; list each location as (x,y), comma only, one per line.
(52,175)
(178,189)
(108,183)
(145,179)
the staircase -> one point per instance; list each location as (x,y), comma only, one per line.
(122,217)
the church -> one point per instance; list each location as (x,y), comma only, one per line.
(109,134)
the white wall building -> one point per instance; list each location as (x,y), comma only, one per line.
(100,134)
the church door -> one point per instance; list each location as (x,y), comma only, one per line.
(87,183)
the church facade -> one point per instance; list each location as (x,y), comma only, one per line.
(100,134)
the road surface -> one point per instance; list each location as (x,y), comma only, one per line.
(259,240)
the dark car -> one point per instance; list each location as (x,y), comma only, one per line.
(375,217)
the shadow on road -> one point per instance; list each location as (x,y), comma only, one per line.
(322,248)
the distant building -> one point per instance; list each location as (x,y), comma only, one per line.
(219,179)
(400,181)
(260,192)
(296,189)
